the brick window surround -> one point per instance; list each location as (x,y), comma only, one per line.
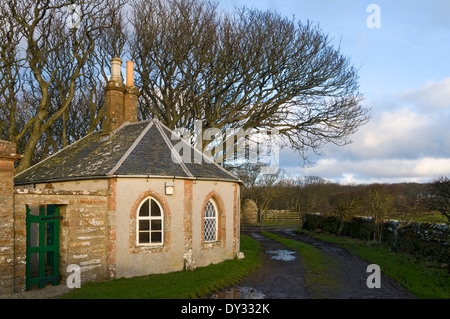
(165,247)
(221,221)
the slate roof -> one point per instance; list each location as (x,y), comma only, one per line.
(135,149)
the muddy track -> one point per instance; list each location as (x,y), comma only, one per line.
(280,278)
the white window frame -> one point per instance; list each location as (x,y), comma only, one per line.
(215,218)
(149,218)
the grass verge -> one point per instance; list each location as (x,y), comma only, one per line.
(318,280)
(417,275)
(177,285)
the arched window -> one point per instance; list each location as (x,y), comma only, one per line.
(150,223)
(210,221)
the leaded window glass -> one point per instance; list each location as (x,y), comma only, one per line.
(210,221)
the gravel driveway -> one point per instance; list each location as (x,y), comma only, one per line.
(284,278)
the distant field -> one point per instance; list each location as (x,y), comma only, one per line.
(432,218)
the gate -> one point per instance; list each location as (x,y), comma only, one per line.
(42,253)
(270,220)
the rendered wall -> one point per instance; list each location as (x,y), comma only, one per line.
(183,247)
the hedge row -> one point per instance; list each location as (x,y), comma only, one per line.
(429,240)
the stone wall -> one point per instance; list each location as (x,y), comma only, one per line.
(83,231)
(7,158)
(429,240)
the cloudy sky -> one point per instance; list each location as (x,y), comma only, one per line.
(404,77)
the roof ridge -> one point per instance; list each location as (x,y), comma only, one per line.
(63,149)
(204,156)
(131,148)
(170,146)
(136,123)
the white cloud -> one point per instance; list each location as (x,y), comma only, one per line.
(434,95)
(388,133)
(388,170)
(407,139)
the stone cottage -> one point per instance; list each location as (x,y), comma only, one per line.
(118,203)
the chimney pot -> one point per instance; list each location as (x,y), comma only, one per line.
(130,73)
(116,64)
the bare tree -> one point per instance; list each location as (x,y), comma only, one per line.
(379,201)
(437,196)
(53,53)
(249,69)
(345,206)
(408,204)
(260,187)
(87,108)
(10,81)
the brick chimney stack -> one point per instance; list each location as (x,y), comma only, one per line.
(120,99)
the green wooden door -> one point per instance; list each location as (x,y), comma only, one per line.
(42,264)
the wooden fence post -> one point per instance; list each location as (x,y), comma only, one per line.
(261,219)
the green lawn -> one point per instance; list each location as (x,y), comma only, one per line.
(176,285)
(421,278)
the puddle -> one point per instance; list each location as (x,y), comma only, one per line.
(239,293)
(258,236)
(284,255)
(288,232)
